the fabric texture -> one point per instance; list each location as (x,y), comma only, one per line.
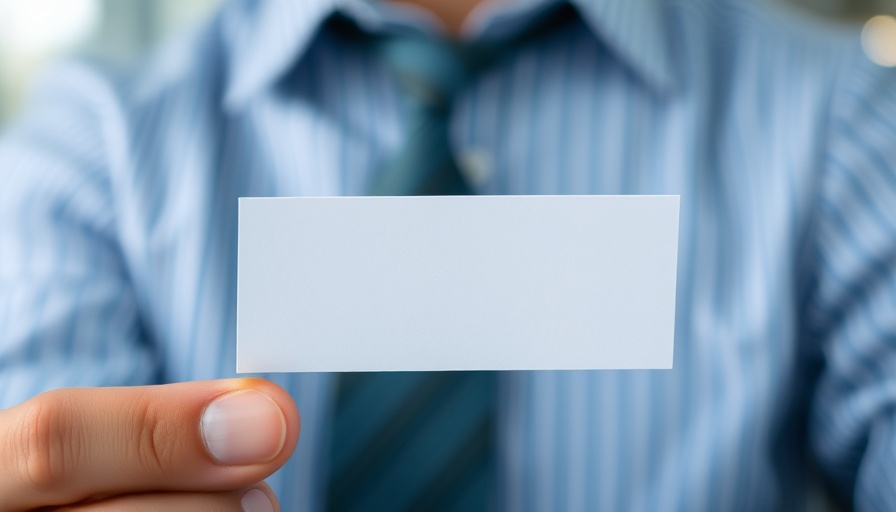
(118,209)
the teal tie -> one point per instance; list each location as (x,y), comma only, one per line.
(430,72)
(419,440)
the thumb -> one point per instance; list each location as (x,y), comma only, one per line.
(70,445)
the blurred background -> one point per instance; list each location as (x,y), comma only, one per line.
(35,32)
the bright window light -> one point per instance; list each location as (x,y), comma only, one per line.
(879,40)
(41,26)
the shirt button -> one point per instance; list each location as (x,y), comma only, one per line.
(477,165)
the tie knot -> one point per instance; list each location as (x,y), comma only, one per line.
(433,70)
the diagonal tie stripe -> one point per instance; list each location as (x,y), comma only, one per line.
(433,444)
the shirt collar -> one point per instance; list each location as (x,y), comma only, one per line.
(267,37)
(636,31)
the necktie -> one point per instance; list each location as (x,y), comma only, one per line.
(419,440)
(430,72)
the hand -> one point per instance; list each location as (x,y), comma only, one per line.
(192,446)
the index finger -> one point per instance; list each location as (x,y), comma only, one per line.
(74,444)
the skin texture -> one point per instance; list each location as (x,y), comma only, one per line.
(452,14)
(122,448)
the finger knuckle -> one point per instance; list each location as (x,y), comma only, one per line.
(158,437)
(47,441)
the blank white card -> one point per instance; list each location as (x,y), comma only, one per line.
(456,283)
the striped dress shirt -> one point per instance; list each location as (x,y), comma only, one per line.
(118,208)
